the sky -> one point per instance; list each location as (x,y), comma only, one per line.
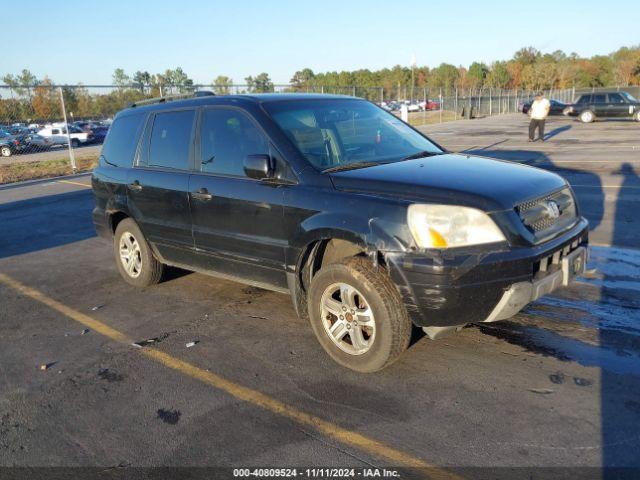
(85,41)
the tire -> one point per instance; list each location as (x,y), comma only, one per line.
(75,143)
(388,329)
(144,271)
(587,116)
(5,151)
(637,116)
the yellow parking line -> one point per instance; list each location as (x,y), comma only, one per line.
(74,183)
(238,391)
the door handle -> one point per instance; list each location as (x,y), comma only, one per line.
(135,186)
(202,194)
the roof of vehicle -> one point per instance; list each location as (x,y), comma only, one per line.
(158,104)
(605,92)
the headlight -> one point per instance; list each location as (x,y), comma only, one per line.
(447,226)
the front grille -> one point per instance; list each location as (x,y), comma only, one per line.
(546,215)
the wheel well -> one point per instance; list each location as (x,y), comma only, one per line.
(115,218)
(328,251)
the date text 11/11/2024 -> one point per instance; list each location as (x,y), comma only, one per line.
(315,473)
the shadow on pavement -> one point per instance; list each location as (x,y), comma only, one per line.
(620,394)
(556,131)
(45,222)
(615,315)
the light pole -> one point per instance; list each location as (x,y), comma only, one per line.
(72,157)
(413,66)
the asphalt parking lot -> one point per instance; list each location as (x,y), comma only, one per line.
(556,386)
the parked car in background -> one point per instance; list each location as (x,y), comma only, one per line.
(99,134)
(11,144)
(591,106)
(394,106)
(83,125)
(557,107)
(38,143)
(97,129)
(429,105)
(58,135)
(17,130)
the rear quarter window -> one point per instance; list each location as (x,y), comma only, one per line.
(120,144)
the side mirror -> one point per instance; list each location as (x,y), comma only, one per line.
(258,166)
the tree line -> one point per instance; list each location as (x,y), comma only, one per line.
(27,97)
(528,69)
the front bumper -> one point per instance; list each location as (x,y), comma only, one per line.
(449,289)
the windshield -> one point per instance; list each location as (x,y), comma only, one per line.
(334,133)
(630,97)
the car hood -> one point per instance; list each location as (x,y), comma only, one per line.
(484,183)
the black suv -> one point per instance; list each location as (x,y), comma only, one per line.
(605,105)
(369,225)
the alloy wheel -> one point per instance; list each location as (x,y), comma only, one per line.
(347,318)
(130,254)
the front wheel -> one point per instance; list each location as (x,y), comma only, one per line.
(358,316)
(587,116)
(637,116)
(134,258)
(5,151)
(75,143)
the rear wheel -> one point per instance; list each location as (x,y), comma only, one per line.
(5,151)
(587,116)
(75,143)
(357,315)
(134,258)
(637,116)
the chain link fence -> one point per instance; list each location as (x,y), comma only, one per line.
(63,126)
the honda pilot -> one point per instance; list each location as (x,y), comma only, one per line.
(371,227)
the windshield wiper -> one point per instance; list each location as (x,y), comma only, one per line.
(422,154)
(351,166)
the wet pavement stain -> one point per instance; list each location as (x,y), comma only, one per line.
(169,416)
(551,344)
(582,382)
(110,376)
(557,378)
(522,336)
(593,327)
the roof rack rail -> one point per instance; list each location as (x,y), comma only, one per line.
(151,101)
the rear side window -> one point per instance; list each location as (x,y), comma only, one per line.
(584,99)
(600,98)
(120,144)
(171,139)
